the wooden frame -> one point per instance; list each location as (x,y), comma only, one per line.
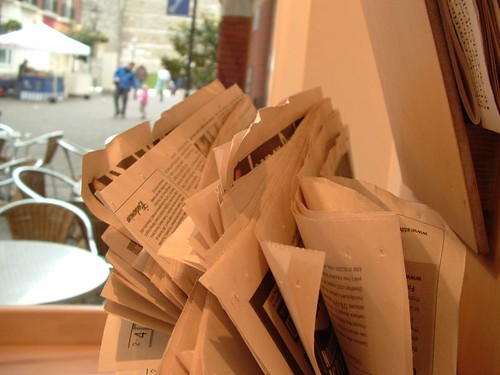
(51,339)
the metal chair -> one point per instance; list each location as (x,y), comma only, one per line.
(50,220)
(9,130)
(6,176)
(8,135)
(33,181)
(49,141)
(72,150)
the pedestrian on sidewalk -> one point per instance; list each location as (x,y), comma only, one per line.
(141,74)
(162,81)
(142,95)
(124,79)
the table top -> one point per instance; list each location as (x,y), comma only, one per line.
(38,272)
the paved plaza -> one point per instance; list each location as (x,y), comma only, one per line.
(85,122)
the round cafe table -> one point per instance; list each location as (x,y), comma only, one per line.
(38,272)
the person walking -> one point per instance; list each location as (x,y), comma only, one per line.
(162,81)
(141,74)
(143,100)
(124,79)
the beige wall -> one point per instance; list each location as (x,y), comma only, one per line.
(325,43)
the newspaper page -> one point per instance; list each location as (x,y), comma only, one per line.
(251,147)
(338,160)
(176,115)
(101,167)
(178,356)
(434,263)
(98,169)
(205,341)
(148,197)
(118,291)
(245,194)
(219,347)
(273,129)
(203,206)
(184,275)
(186,136)
(272,305)
(142,286)
(253,300)
(130,346)
(298,271)
(136,316)
(468,51)
(148,266)
(241,117)
(259,313)
(178,247)
(370,313)
(121,255)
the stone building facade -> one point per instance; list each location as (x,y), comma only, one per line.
(138,30)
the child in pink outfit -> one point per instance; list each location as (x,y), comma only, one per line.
(142,95)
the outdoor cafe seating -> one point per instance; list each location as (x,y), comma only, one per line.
(50,251)
(43,261)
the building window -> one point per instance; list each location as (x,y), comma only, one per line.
(67,9)
(5,56)
(50,5)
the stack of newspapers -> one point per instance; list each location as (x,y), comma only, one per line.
(241,244)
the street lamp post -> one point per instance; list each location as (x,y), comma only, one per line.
(190,56)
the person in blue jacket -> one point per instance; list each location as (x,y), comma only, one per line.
(124,79)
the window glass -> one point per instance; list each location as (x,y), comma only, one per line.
(5,56)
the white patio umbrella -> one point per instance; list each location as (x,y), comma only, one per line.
(43,38)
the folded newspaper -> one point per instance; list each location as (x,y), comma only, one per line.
(241,244)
